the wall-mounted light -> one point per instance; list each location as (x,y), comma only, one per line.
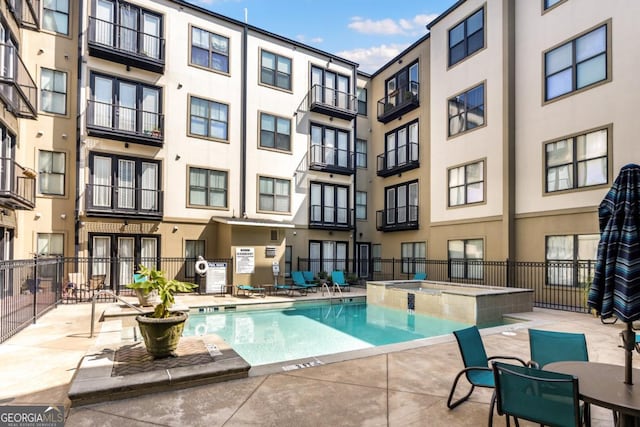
(40,51)
(175,228)
(37,215)
(39,133)
(64,136)
(63,216)
(295,233)
(177,156)
(179,85)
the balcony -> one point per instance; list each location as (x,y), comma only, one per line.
(17,185)
(396,219)
(330,218)
(17,88)
(331,159)
(399,160)
(330,102)
(117,43)
(401,101)
(125,124)
(26,13)
(118,201)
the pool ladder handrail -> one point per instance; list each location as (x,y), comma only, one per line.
(107,292)
(334,286)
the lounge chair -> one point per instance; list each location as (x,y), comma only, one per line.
(420,276)
(476,366)
(290,289)
(249,290)
(544,397)
(337,277)
(309,277)
(299,281)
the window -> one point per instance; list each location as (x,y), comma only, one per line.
(465,259)
(209,119)
(329,146)
(466,38)
(362,101)
(331,88)
(50,244)
(376,257)
(274,195)
(328,255)
(51,170)
(275,132)
(53,91)
(361,205)
(466,110)
(131,250)
(402,88)
(288,260)
(550,3)
(576,162)
(401,204)
(578,64)
(209,50)
(55,16)
(361,153)
(466,184)
(401,146)
(207,188)
(414,257)
(192,250)
(275,70)
(571,259)
(329,204)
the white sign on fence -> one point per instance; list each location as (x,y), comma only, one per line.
(216,277)
(245,260)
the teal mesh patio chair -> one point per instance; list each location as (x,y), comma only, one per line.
(309,277)
(299,281)
(337,277)
(536,395)
(476,366)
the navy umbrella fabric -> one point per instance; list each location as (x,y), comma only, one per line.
(616,284)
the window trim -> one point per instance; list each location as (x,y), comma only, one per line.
(207,206)
(395,187)
(69,14)
(359,101)
(64,174)
(409,264)
(609,129)
(483,83)
(608,58)
(546,9)
(261,83)
(484,184)
(410,162)
(335,206)
(366,205)
(336,162)
(465,259)
(364,154)
(207,137)
(484,42)
(49,235)
(274,148)
(258,194)
(574,262)
(202,67)
(66,93)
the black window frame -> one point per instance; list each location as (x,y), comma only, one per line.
(579,272)
(466,262)
(361,95)
(409,153)
(207,189)
(408,206)
(465,38)
(466,184)
(211,52)
(199,249)
(208,120)
(274,195)
(276,134)
(275,71)
(323,205)
(413,264)
(336,154)
(364,206)
(458,107)
(361,156)
(53,90)
(42,173)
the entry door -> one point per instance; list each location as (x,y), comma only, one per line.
(364,257)
(101,256)
(126,264)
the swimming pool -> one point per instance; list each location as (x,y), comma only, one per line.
(276,335)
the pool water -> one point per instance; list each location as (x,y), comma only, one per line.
(276,335)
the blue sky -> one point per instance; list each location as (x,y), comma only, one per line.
(369,32)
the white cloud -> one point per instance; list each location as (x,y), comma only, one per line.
(374,57)
(406,27)
(313,40)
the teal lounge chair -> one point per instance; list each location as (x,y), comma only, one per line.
(337,277)
(420,276)
(309,277)
(249,290)
(290,289)
(299,281)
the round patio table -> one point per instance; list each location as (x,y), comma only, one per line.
(603,385)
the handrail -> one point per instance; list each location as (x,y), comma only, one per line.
(93,305)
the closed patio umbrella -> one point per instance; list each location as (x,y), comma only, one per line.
(616,284)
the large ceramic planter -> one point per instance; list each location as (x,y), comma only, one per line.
(161,336)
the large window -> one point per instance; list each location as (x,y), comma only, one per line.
(328,255)
(466,184)
(361,153)
(578,161)
(209,119)
(362,101)
(192,250)
(466,38)
(414,257)
(275,70)
(53,91)
(51,172)
(329,146)
(288,260)
(402,87)
(466,110)
(50,244)
(55,16)
(361,205)
(401,146)
(401,204)
(275,132)
(465,259)
(209,50)
(331,88)
(577,64)
(329,204)
(275,195)
(207,188)
(548,4)
(571,259)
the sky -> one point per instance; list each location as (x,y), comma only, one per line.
(368,32)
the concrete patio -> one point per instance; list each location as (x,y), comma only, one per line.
(407,386)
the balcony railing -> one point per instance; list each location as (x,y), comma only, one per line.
(111,200)
(404,99)
(125,124)
(399,160)
(331,159)
(330,102)
(26,13)
(126,45)
(330,218)
(17,88)
(17,185)
(396,219)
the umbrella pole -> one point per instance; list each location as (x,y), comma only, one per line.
(629,342)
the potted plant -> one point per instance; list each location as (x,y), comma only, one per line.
(162,328)
(352,279)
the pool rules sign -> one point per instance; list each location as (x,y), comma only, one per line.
(245,261)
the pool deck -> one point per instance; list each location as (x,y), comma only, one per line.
(402,386)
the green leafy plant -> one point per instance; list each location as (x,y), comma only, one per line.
(151,280)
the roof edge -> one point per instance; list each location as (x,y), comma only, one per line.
(444,14)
